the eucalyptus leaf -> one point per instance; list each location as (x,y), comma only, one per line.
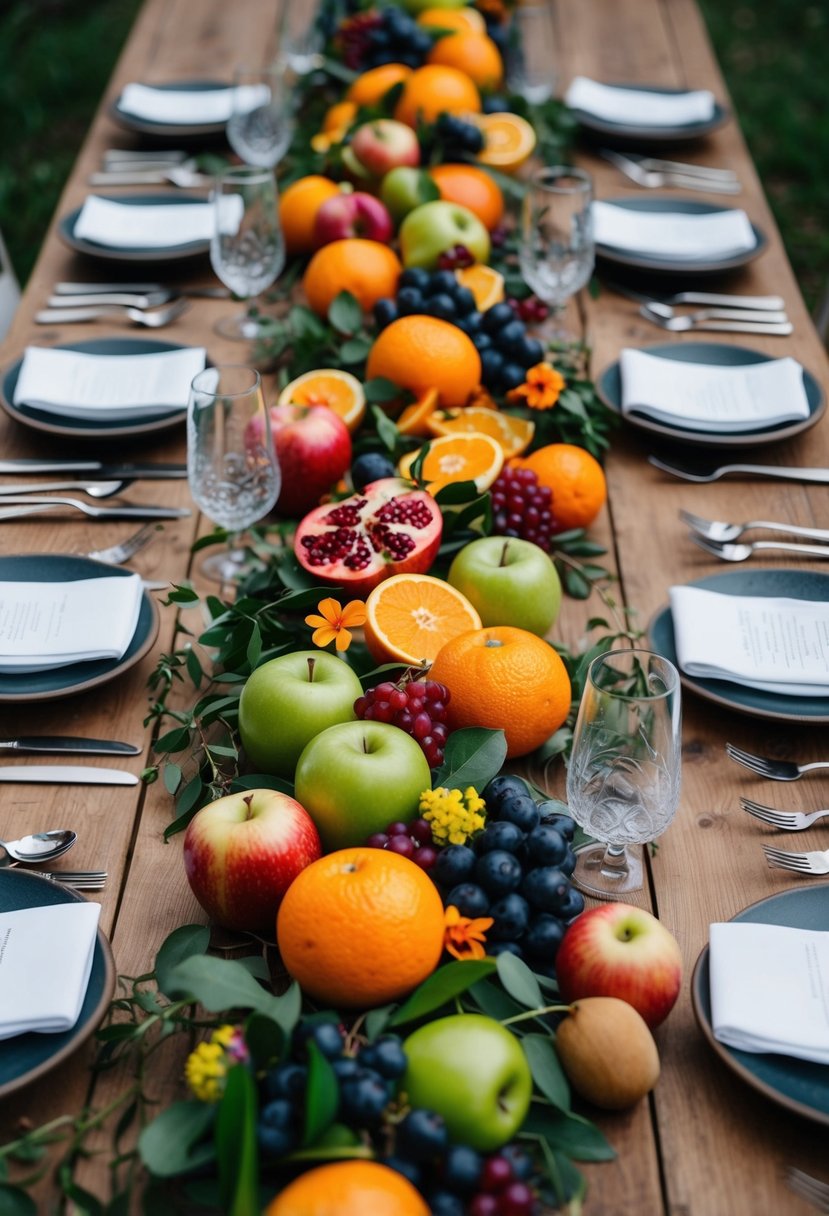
(172,778)
(568,1133)
(16,1202)
(377,1020)
(219,984)
(354,350)
(322,1095)
(174,1142)
(345,313)
(473,756)
(495,1003)
(386,430)
(236,1145)
(546,1069)
(379,390)
(519,981)
(261,781)
(182,943)
(457,492)
(442,986)
(265,1040)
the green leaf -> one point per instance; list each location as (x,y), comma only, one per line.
(568,1133)
(473,756)
(519,981)
(345,313)
(84,1203)
(386,429)
(495,1003)
(457,492)
(379,390)
(376,1021)
(261,781)
(173,741)
(186,806)
(265,1040)
(15,1202)
(322,1095)
(447,982)
(194,668)
(174,1142)
(354,350)
(219,984)
(338,1143)
(236,1145)
(546,1069)
(254,649)
(182,943)
(172,778)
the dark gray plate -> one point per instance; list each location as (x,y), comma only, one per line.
(794,584)
(172,130)
(798,1085)
(625,134)
(86,428)
(166,253)
(28,1056)
(76,677)
(609,388)
(684,267)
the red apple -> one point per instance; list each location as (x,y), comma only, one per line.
(242,853)
(385,144)
(314,450)
(350,215)
(622,951)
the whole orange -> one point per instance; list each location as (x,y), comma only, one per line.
(369,88)
(473,53)
(473,188)
(298,208)
(360,927)
(339,117)
(420,353)
(349,1188)
(433,90)
(503,678)
(453,19)
(576,480)
(367,269)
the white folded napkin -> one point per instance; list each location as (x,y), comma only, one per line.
(107,387)
(46,625)
(771,643)
(673,234)
(637,107)
(770,989)
(132,226)
(45,964)
(190,106)
(706,397)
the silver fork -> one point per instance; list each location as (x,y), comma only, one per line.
(787,821)
(751,322)
(801,863)
(653,179)
(34,505)
(778,472)
(741,553)
(777,770)
(809,1188)
(183,175)
(155,319)
(115,555)
(720,531)
(81,880)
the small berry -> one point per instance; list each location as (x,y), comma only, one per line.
(497,1173)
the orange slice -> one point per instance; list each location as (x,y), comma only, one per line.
(415,418)
(463,457)
(513,434)
(410,617)
(340,391)
(510,139)
(486,285)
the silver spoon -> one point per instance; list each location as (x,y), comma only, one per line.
(42,846)
(95,489)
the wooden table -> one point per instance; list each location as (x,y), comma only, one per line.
(705,1144)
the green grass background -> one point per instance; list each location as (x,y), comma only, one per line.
(56,57)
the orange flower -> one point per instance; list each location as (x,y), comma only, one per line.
(465,936)
(541,389)
(332,625)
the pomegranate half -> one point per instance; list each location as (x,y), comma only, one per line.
(388,528)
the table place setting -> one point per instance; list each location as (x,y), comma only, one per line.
(130,225)
(655,174)
(717,234)
(189,107)
(626,114)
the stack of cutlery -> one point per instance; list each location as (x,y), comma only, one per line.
(166,167)
(653,173)
(712,312)
(149,304)
(717,537)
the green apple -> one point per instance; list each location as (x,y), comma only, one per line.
(356,778)
(289,700)
(404,188)
(420,6)
(432,228)
(471,1070)
(510,581)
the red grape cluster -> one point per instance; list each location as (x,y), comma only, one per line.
(412,840)
(522,507)
(418,707)
(529,309)
(456,258)
(354,38)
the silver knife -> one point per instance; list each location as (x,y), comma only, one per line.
(134,511)
(82,289)
(90,299)
(65,774)
(70,744)
(107,472)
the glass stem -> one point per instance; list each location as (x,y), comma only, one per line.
(615,862)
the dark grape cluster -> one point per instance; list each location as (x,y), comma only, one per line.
(418,707)
(387,35)
(516,871)
(412,840)
(369,467)
(530,309)
(455,1179)
(522,507)
(456,138)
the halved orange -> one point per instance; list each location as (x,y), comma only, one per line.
(512,433)
(463,457)
(410,617)
(510,139)
(486,285)
(415,418)
(340,391)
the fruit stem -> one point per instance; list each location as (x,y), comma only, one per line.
(247,801)
(503,560)
(535,1013)
(311,665)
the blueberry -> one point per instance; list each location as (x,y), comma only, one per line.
(363,1098)
(409,300)
(511,335)
(520,809)
(546,846)
(386,1057)
(498,873)
(546,888)
(327,1036)
(455,864)
(504,948)
(496,103)
(528,352)
(500,788)
(420,43)
(371,466)
(481,341)
(499,835)
(492,361)
(422,1135)
(442,281)
(471,139)
(469,899)
(511,916)
(519,1159)
(462,1169)
(444,1203)
(464,300)
(544,936)
(275,1130)
(497,317)
(407,1168)
(286,1081)
(568,862)
(512,374)
(346,1066)
(442,306)
(563,824)
(572,906)
(385,311)
(415,277)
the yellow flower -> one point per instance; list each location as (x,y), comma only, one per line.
(454,814)
(334,622)
(206,1068)
(465,936)
(541,388)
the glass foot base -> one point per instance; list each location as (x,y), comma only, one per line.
(239,328)
(225,567)
(607,876)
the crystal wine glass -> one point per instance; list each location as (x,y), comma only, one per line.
(531,59)
(300,37)
(262,122)
(231,460)
(624,773)
(556,248)
(247,250)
